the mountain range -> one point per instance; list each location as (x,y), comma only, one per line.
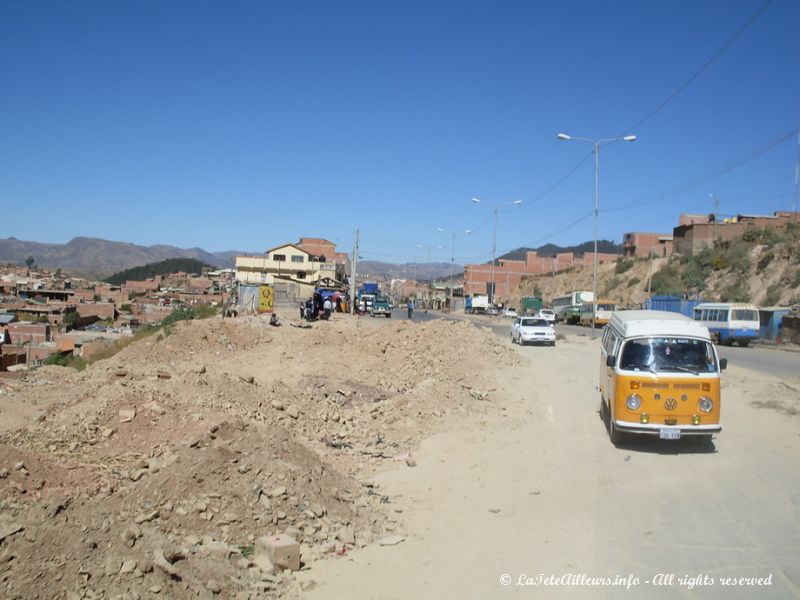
(98,256)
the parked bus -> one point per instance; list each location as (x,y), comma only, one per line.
(659,375)
(729,322)
(604,310)
(572,299)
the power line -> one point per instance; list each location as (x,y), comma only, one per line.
(712,174)
(705,66)
(669,99)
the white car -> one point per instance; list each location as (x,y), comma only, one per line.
(510,312)
(546,314)
(532,330)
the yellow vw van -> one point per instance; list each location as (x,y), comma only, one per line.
(659,375)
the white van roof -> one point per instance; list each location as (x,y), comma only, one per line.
(638,323)
(731,305)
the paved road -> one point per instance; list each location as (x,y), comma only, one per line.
(761,359)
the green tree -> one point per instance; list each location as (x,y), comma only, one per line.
(71,320)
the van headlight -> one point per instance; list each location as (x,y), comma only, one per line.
(705,404)
(633,402)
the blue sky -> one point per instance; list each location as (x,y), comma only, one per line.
(241,125)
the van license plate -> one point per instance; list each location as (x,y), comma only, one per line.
(670,434)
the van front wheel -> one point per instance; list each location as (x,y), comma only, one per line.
(614,434)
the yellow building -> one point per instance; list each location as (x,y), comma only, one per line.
(292,270)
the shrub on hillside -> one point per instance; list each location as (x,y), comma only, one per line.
(667,282)
(622,265)
(738,291)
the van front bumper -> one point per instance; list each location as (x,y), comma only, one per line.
(655,428)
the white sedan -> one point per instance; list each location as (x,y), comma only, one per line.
(532,330)
(546,314)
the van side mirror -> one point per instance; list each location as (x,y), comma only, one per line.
(723,364)
(610,360)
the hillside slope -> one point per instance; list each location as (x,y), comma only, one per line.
(762,268)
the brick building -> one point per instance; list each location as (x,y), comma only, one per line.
(508,273)
(694,233)
(638,243)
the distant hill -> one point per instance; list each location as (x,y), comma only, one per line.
(604,246)
(95,255)
(165,267)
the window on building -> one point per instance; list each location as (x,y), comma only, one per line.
(279,257)
(301,274)
(298,258)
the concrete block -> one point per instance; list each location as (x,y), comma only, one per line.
(282,549)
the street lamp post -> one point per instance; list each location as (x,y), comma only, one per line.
(495,210)
(596,143)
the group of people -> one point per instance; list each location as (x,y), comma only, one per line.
(318,307)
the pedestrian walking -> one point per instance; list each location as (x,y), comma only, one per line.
(326,307)
(410,307)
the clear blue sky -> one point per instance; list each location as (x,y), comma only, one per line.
(241,125)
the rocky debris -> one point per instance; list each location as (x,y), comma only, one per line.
(282,550)
(201,465)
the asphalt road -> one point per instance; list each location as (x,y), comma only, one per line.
(761,359)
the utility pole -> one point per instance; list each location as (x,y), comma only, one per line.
(650,278)
(796,181)
(716,214)
(353,278)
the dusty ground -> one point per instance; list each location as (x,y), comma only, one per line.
(190,446)
(241,429)
(537,489)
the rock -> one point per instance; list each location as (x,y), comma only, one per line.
(126,415)
(346,535)
(293,411)
(9,529)
(157,409)
(19,466)
(161,563)
(278,491)
(243,468)
(277,405)
(3,473)
(112,567)
(411,462)
(200,506)
(108,432)
(494,510)
(213,587)
(145,517)
(128,566)
(283,551)
(391,540)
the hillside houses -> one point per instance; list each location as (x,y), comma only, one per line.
(42,313)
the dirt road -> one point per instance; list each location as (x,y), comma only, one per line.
(541,491)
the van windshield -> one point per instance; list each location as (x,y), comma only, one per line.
(668,354)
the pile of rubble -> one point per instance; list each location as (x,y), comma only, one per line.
(171,467)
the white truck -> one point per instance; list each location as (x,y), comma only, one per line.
(476,304)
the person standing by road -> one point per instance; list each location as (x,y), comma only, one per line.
(410,307)
(327,308)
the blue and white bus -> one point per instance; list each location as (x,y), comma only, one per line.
(729,322)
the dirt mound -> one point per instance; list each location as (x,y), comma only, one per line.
(156,470)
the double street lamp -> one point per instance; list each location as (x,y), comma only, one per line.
(495,210)
(597,144)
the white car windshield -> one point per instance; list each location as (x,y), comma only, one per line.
(534,323)
(668,354)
